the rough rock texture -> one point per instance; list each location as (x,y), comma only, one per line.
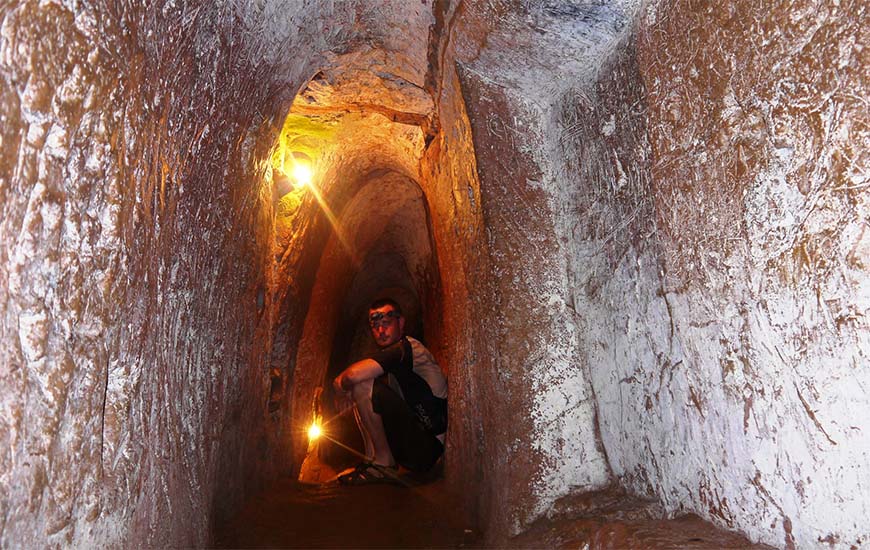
(611,519)
(732,367)
(538,413)
(635,234)
(705,180)
(136,245)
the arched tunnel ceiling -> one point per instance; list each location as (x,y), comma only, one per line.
(356,117)
(538,48)
(368,81)
(369,97)
(388,214)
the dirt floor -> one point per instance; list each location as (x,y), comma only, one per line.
(294,515)
(610,519)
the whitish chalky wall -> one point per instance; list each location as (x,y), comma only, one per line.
(727,306)
(705,174)
(515,66)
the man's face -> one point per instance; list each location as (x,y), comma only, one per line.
(387,325)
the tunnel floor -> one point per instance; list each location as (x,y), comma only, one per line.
(295,515)
(290,514)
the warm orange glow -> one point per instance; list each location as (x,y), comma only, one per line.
(333,221)
(302,174)
(314,432)
(298,170)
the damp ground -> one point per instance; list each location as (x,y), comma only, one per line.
(290,514)
(295,515)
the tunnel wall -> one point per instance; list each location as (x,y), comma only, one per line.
(124,319)
(707,196)
(539,414)
(541,440)
(136,249)
(728,350)
(526,411)
(449,181)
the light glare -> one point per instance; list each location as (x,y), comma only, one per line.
(314,432)
(302,174)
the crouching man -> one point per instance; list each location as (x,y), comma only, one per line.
(402,416)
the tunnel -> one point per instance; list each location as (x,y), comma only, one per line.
(633,233)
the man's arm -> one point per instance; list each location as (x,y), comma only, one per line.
(360,371)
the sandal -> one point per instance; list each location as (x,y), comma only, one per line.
(367,473)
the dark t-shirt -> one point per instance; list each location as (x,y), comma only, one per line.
(398,360)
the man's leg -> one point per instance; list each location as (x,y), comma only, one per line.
(367,440)
(372,425)
(411,445)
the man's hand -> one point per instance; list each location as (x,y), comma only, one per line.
(341,398)
(367,369)
(336,384)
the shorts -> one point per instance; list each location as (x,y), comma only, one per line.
(411,444)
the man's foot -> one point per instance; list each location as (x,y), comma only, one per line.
(367,473)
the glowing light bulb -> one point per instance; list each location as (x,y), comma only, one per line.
(314,432)
(302,174)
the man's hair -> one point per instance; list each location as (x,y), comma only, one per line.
(377,304)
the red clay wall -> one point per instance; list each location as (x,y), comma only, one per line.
(135,244)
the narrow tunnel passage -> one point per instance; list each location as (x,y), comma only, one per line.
(389,256)
(633,233)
